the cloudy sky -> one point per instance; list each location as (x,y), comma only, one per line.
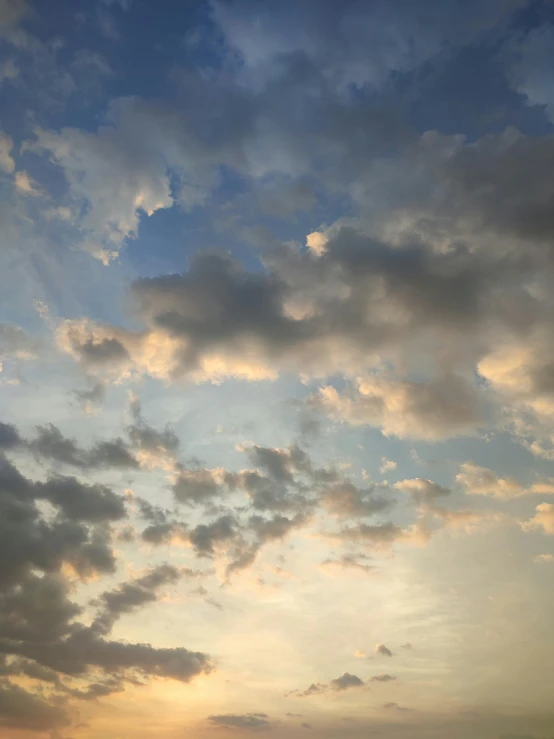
(277,369)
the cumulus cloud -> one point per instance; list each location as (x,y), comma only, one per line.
(40,633)
(543,519)
(384,650)
(438,409)
(434,314)
(49,443)
(387,465)
(123,169)
(218,319)
(425,314)
(345,682)
(383,535)
(194,486)
(345,500)
(28,540)
(130,596)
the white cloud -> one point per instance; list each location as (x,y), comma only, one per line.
(387,465)
(125,170)
(543,519)
(316,242)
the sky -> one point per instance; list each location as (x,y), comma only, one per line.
(277,369)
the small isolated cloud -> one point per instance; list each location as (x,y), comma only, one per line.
(355,562)
(316,242)
(246,721)
(387,465)
(307,726)
(346,681)
(392,706)
(382,649)
(314,689)
(423,492)
(542,559)
(382,678)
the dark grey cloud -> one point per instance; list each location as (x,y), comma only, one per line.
(344,43)
(205,538)
(194,486)
(83,649)
(246,721)
(112,454)
(130,596)
(38,672)
(21,710)
(218,308)
(345,682)
(28,540)
(51,444)
(313,689)
(9,436)
(384,678)
(357,561)
(503,179)
(41,636)
(433,298)
(80,502)
(384,650)
(280,464)
(105,351)
(93,691)
(162,526)
(146,439)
